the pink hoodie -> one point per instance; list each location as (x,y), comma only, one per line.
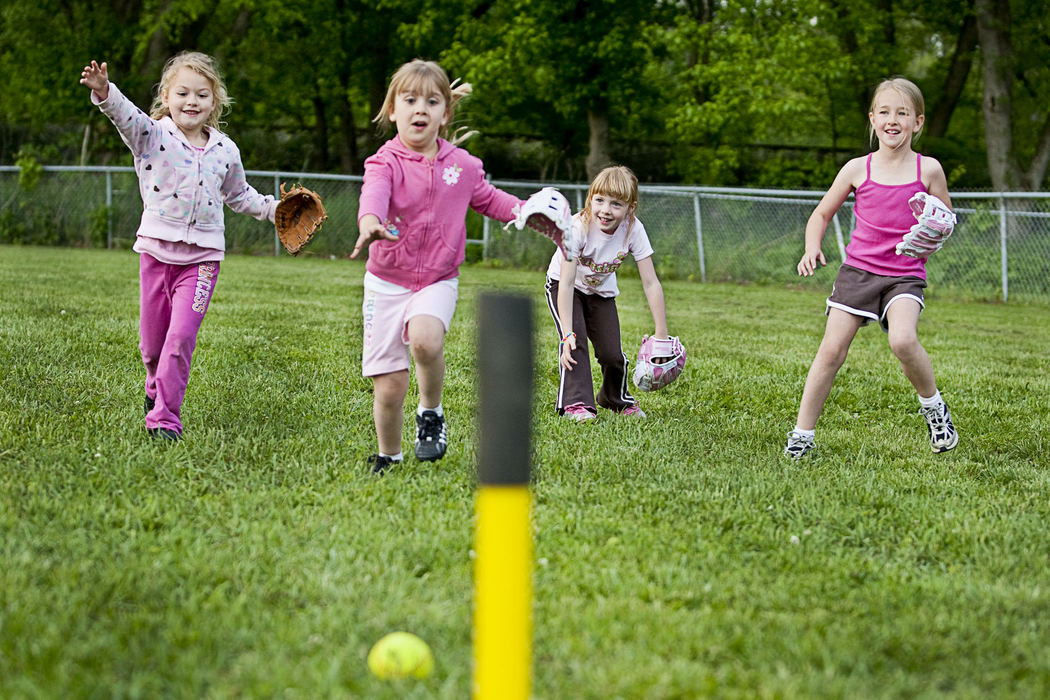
(426,201)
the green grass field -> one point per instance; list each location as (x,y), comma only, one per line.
(676,558)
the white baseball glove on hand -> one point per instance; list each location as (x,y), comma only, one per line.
(936,223)
(549,213)
(659,362)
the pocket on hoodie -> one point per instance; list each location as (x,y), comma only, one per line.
(441,257)
(390,255)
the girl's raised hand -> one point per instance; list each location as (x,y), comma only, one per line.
(808,264)
(96,77)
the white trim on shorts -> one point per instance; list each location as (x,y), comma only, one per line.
(869,317)
(852,311)
(922,304)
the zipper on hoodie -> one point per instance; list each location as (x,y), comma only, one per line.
(198,157)
(429,209)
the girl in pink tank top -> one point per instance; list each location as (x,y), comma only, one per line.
(874,283)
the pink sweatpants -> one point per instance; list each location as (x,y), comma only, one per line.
(172,301)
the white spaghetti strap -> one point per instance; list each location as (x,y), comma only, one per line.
(918,167)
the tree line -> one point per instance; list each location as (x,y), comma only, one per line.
(768,93)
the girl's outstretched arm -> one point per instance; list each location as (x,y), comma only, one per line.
(370,227)
(818,222)
(96,77)
(566,295)
(654,294)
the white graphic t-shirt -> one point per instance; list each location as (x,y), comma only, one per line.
(601,254)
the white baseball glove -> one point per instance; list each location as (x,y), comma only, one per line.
(659,363)
(936,223)
(549,213)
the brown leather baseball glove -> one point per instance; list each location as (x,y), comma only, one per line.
(299,215)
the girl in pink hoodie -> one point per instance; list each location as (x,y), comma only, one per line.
(414,201)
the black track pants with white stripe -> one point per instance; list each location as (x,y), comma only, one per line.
(594,319)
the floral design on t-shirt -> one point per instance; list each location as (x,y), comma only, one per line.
(605,268)
(601,270)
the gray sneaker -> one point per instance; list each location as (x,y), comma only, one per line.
(943,435)
(798,445)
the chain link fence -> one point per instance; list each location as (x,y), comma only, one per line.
(1001,249)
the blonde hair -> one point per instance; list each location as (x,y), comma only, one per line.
(616,182)
(909,91)
(420,77)
(202,64)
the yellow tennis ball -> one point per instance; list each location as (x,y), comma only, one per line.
(401,655)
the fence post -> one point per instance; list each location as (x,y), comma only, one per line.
(699,237)
(277,196)
(109,209)
(1002,245)
(838,237)
(484,238)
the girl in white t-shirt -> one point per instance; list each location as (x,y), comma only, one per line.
(607,232)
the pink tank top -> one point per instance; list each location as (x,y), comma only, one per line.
(883,217)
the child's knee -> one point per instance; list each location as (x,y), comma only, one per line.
(427,348)
(904,344)
(609,355)
(390,389)
(832,355)
(181,344)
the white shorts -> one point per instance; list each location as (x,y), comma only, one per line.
(386,311)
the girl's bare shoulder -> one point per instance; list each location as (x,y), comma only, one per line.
(852,174)
(856,169)
(931,165)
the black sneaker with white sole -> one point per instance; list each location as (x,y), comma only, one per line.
(943,435)
(431,436)
(379,464)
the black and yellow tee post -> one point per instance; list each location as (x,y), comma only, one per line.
(503,538)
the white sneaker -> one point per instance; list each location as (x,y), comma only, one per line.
(798,445)
(943,435)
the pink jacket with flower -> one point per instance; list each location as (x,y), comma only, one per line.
(426,201)
(183,187)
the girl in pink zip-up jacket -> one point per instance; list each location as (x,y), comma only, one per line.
(187,170)
(414,200)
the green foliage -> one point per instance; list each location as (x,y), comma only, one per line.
(12,228)
(98,226)
(29,170)
(703,93)
(679,557)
